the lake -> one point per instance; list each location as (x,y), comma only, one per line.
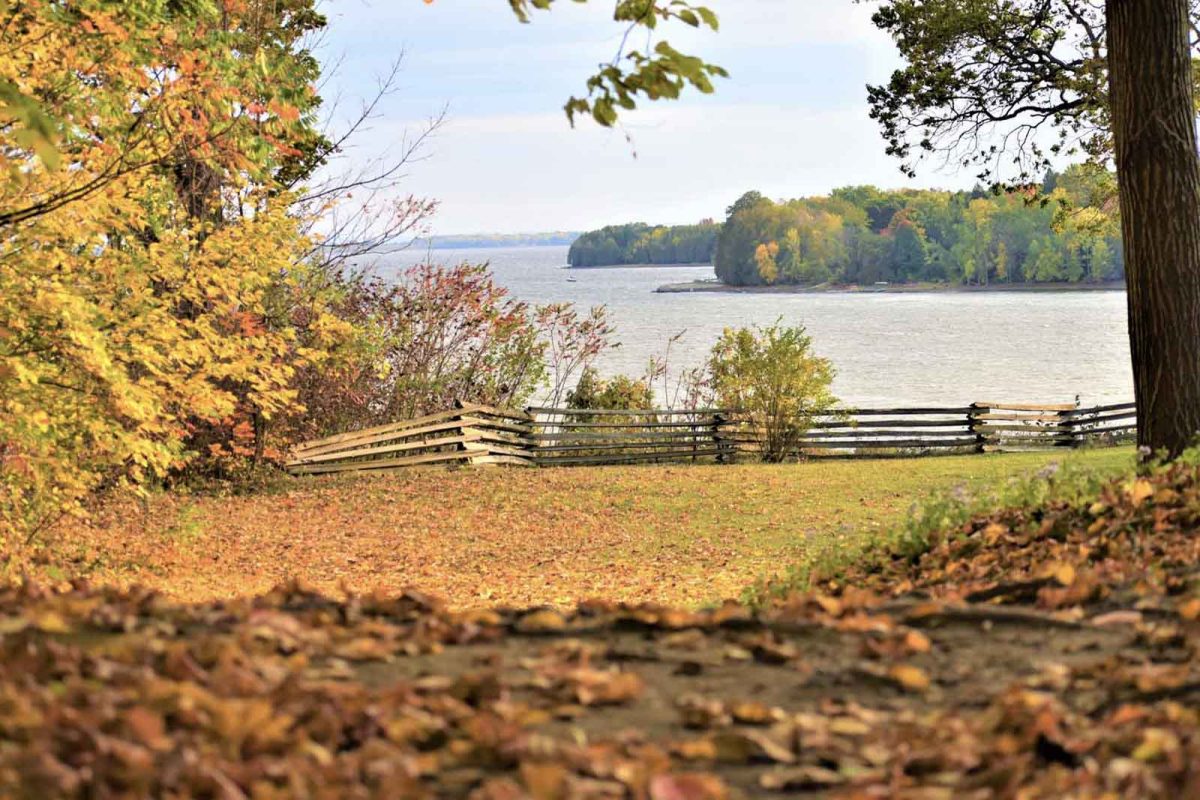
(889,349)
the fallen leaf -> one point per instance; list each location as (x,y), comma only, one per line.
(911,678)
(800,779)
(746,747)
(688,786)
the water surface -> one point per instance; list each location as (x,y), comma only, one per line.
(889,349)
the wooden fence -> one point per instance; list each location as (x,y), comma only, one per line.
(471,434)
(565,437)
(547,437)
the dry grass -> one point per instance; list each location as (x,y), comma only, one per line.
(671,534)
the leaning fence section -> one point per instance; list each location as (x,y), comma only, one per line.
(560,437)
(474,435)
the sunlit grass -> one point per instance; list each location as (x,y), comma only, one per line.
(678,534)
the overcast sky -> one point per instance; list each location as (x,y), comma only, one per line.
(790,121)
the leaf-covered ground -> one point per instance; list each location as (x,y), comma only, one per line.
(681,535)
(1030,653)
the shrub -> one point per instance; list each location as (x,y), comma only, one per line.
(771,376)
(619,392)
(439,335)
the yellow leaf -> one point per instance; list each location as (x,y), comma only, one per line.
(909,677)
(1190,609)
(1141,491)
(51,622)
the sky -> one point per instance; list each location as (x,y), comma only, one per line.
(791,121)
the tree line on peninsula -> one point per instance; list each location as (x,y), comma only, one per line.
(1065,230)
(638,243)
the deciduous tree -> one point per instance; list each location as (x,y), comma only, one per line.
(983,78)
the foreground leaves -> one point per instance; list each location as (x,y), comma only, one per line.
(894,684)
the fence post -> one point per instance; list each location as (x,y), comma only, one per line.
(725,453)
(978,426)
(474,449)
(1069,419)
(531,444)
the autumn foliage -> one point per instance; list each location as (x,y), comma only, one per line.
(167,309)
(143,225)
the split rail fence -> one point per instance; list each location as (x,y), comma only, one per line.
(548,437)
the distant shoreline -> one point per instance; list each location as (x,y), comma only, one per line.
(894,288)
(647,266)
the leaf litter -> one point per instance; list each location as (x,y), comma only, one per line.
(1044,653)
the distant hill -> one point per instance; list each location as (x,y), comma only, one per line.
(473,240)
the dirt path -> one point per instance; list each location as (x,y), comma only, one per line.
(298,696)
(1040,653)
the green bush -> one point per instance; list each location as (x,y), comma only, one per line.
(620,392)
(773,379)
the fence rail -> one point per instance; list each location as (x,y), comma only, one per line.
(471,434)
(546,437)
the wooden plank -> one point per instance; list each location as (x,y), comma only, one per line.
(907,444)
(1117,429)
(576,448)
(356,438)
(385,437)
(621,447)
(372,433)
(877,456)
(862,433)
(615,437)
(882,436)
(1020,417)
(493,411)
(379,464)
(422,444)
(1107,417)
(1011,436)
(995,448)
(626,425)
(873,432)
(986,429)
(502,460)
(515,452)
(879,412)
(641,412)
(896,423)
(379,429)
(867,428)
(462,422)
(630,457)
(503,438)
(1027,406)
(494,425)
(1132,407)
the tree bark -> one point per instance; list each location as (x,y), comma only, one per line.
(1158,169)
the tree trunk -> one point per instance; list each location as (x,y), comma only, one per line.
(1158,169)
(260,436)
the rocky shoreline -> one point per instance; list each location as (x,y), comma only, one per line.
(893,288)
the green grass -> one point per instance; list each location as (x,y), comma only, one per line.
(679,534)
(1072,479)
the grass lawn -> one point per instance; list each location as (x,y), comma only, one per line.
(671,534)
